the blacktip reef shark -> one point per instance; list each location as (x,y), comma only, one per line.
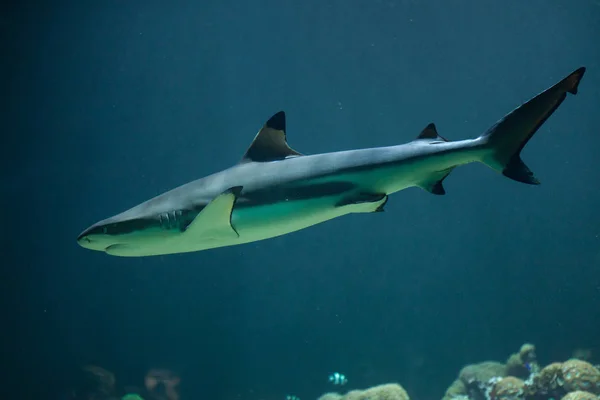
(275,190)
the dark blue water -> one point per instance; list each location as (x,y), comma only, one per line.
(108,104)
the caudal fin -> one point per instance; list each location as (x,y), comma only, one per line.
(507,137)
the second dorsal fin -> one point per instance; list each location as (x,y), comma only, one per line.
(430,133)
(270,143)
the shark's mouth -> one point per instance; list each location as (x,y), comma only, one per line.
(120,249)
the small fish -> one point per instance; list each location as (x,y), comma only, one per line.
(291,397)
(532,367)
(338,379)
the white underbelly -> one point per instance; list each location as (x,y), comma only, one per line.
(251,223)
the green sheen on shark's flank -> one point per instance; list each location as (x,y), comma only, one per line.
(275,190)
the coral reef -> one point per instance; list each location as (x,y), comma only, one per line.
(580,375)
(558,379)
(457,389)
(579,395)
(523,363)
(475,376)
(481,372)
(389,391)
(548,382)
(509,388)
(516,367)
(523,379)
(330,396)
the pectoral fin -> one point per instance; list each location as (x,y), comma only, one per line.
(214,221)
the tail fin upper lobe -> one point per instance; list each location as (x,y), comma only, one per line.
(507,137)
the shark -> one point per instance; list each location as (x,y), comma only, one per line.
(275,190)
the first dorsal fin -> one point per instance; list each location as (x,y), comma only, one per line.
(430,133)
(270,143)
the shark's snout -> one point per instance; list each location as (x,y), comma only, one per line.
(94,238)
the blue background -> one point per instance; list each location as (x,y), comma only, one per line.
(110,103)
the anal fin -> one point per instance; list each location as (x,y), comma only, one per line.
(364,202)
(214,221)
